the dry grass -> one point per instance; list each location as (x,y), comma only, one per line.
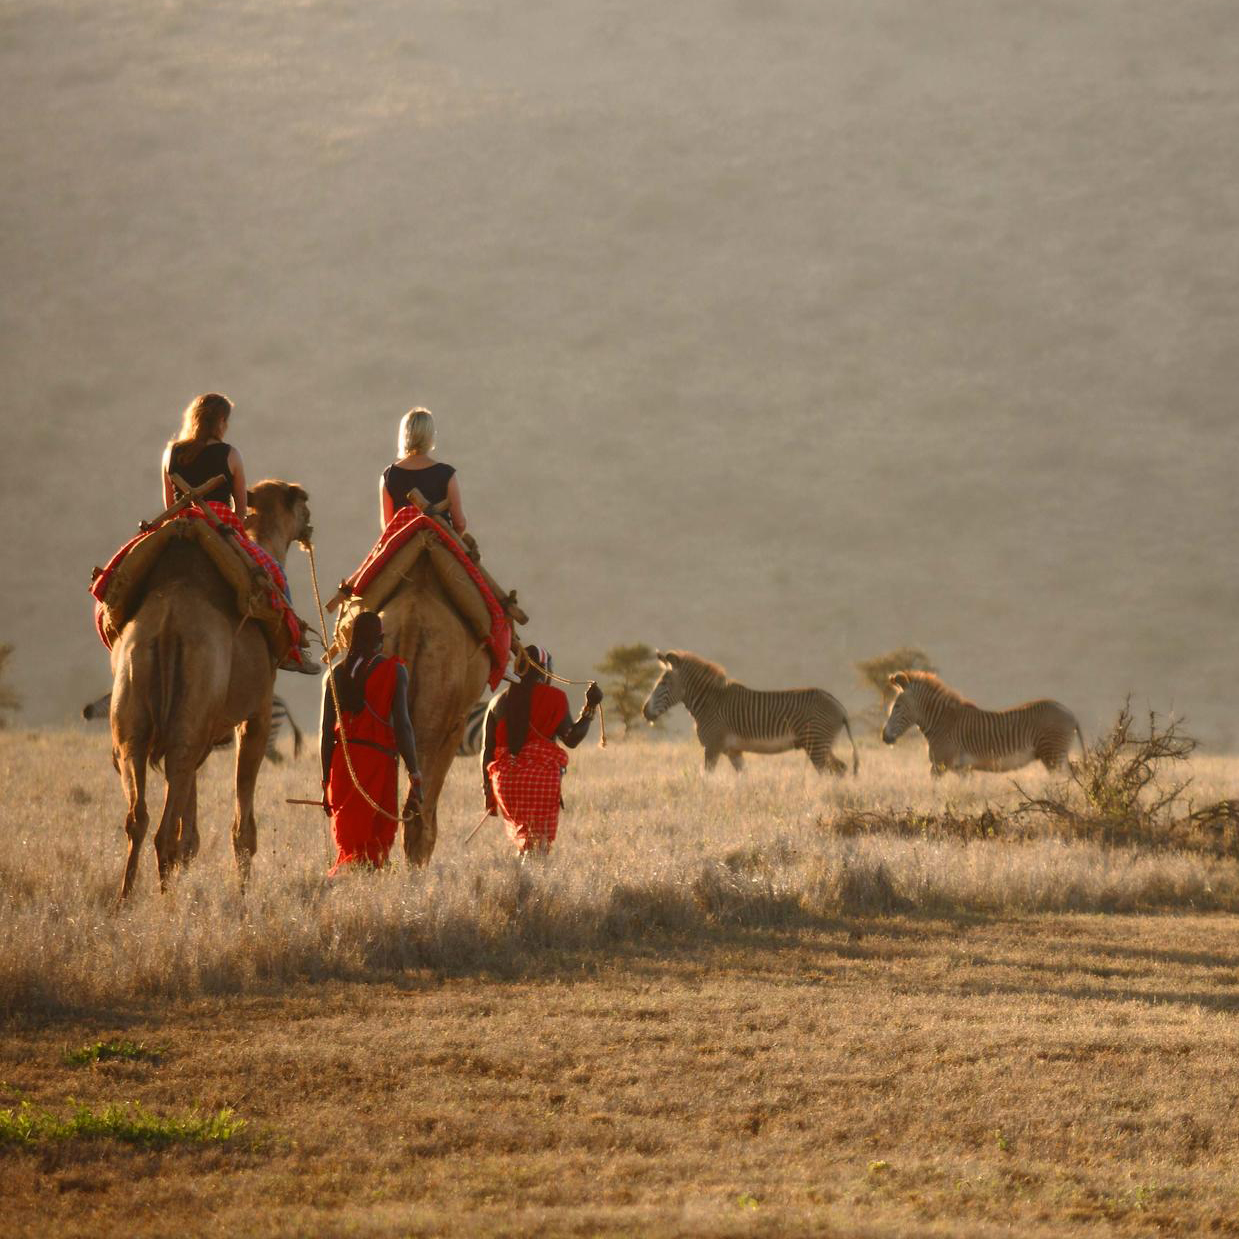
(649,847)
(713,1012)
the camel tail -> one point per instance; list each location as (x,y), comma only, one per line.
(163,693)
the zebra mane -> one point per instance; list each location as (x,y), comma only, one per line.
(937,688)
(701,668)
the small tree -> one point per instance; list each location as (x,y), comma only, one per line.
(875,673)
(10,702)
(631,671)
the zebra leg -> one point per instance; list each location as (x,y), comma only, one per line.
(824,761)
(737,761)
(1051,752)
(711,758)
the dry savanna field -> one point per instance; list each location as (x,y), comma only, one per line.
(772,1005)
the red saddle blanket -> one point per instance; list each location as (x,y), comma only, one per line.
(279,601)
(404,524)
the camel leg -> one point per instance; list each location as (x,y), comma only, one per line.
(188,842)
(181,770)
(422,833)
(251,749)
(132,766)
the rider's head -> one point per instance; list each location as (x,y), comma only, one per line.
(367,634)
(417,432)
(205,417)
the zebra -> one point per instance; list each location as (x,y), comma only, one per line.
(735,720)
(471,742)
(280,714)
(964,737)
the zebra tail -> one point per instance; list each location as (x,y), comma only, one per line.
(298,738)
(1080,736)
(855,755)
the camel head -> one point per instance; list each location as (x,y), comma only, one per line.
(278,516)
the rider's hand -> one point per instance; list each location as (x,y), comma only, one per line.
(593,694)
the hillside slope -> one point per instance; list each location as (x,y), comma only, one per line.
(782,331)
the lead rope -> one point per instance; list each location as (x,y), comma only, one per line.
(335,696)
(522,661)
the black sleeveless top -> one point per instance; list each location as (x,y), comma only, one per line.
(211,460)
(431,481)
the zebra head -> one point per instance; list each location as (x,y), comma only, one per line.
(669,690)
(905,709)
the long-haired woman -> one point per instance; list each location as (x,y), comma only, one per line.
(415,469)
(200,453)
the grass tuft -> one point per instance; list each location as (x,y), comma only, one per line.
(113,1051)
(27,1124)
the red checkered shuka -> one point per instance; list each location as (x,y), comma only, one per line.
(526,787)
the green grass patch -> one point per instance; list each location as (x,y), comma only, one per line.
(28,1124)
(110,1051)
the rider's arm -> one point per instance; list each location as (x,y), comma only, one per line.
(570,733)
(403,726)
(387,505)
(454,507)
(240,502)
(327,729)
(169,491)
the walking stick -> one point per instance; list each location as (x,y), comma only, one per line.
(318,804)
(475,830)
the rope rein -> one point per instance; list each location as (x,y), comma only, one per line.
(335,696)
(521,663)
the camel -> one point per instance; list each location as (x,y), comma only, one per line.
(448,669)
(187,669)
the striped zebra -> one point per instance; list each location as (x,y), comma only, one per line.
(280,714)
(471,742)
(964,737)
(735,720)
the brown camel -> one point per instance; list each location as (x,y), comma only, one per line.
(448,668)
(187,669)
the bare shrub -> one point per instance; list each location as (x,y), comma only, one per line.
(1130,788)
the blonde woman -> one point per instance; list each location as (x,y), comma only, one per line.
(199,453)
(416,469)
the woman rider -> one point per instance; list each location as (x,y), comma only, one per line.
(198,454)
(521,764)
(374,718)
(416,469)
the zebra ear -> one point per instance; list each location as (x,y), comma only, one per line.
(898,680)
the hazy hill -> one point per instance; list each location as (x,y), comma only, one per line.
(788,332)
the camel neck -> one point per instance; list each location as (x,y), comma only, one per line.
(269,534)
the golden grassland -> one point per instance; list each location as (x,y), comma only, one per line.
(711,1012)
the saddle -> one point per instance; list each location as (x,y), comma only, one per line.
(120,588)
(459,586)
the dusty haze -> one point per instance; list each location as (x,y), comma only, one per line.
(786,332)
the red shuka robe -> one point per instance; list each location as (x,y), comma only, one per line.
(362,835)
(526,787)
